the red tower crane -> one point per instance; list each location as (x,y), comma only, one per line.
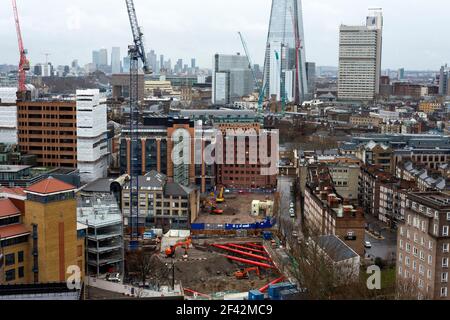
(24,64)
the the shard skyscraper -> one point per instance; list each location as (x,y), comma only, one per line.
(285,60)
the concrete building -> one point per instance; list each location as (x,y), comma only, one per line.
(311,77)
(121,86)
(360,50)
(232,78)
(423,245)
(345,178)
(92,148)
(444,81)
(162,204)
(327,213)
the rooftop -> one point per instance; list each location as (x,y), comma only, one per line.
(13,231)
(49,186)
(12,168)
(335,248)
(7,208)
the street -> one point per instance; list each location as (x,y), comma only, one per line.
(385,248)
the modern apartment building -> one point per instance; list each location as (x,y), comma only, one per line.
(423,245)
(360,50)
(375,154)
(327,213)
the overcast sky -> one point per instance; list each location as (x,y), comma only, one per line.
(415,33)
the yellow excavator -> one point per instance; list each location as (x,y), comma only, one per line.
(220,197)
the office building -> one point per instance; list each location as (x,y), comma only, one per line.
(232,79)
(126,65)
(115,60)
(360,50)
(47,128)
(153,62)
(423,245)
(96,58)
(92,148)
(444,80)
(285,58)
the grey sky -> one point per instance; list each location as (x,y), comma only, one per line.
(414,34)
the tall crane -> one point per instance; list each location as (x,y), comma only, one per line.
(136,52)
(24,64)
(261,89)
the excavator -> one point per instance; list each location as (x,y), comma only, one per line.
(243,274)
(220,197)
(170,252)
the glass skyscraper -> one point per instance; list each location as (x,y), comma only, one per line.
(285,52)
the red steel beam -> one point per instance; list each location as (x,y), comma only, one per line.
(195,292)
(251,255)
(255,245)
(264,289)
(242,247)
(251,262)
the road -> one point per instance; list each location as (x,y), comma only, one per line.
(386,248)
(287,223)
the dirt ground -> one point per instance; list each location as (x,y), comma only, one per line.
(208,272)
(236,211)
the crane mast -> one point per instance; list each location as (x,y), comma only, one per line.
(261,90)
(136,52)
(24,64)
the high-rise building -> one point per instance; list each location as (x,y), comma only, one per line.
(115,60)
(401,74)
(193,63)
(153,61)
(91,135)
(103,57)
(126,65)
(311,77)
(444,79)
(95,58)
(161,61)
(360,50)
(285,52)
(232,79)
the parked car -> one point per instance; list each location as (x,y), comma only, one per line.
(367,245)
(113,277)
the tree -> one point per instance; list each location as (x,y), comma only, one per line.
(141,262)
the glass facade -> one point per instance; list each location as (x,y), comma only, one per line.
(285,52)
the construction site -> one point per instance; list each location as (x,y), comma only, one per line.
(213,269)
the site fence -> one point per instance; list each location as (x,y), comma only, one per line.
(269,223)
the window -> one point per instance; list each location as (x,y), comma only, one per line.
(10,275)
(448,216)
(20,257)
(400,257)
(444,292)
(430,260)
(445,231)
(400,271)
(421,270)
(21,272)
(415,251)
(430,245)
(407,261)
(445,248)
(444,262)
(408,247)
(429,275)
(422,256)
(10,259)
(444,277)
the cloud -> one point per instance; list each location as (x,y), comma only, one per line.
(413,35)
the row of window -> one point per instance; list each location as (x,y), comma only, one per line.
(10,275)
(10,259)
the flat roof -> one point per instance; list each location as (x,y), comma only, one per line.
(13,168)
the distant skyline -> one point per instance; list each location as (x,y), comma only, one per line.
(414,31)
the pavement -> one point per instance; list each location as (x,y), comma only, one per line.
(381,248)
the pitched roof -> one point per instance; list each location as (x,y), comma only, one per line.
(14,230)
(50,185)
(335,248)
(7,208)
(13,191)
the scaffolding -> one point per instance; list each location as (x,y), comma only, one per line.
(104,238)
